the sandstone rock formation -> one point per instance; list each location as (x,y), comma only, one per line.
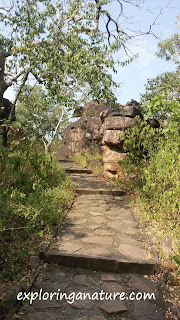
(98,122)
(113,127)
(79,135)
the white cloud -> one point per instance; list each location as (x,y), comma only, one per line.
(146,51)
(145,57)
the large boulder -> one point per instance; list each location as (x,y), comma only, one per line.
(112,154)
(94,128)
(113,137)
(80,134)
(118,122)
(108,113)
(113,127)
(112,159)
(93,109)
(131,109)
(73,140)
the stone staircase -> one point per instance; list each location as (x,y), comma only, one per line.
(100,248)
(100,232)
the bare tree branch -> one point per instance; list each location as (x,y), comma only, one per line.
(40,80)
(8,9)
(9,82)
(150,28)
(117,32)
(47,145)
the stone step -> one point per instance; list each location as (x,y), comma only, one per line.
(74,283)
(114,193)
(99,263)
(79,171)
(66,161)
(101,233)
(85,181)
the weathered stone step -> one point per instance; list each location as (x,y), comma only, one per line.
(101,233)
(71,165)
(98,263)
(85,181)
(74,283)
(114,193)
(79,171)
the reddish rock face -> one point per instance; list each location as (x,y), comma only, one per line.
(100,123)
(73,139)
(119,123)
(113,137)
(80,134)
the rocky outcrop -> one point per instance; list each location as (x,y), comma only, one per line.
(131,109)
(113,137)
(73,140)
(80,134)
(113,127)
(98,122)
(118,122)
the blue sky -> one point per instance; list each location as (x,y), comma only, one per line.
(134,76)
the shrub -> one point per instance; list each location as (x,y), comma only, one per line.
(91,158)
(161,186)
(34,192)
(154,155)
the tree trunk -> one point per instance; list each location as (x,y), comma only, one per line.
(2,89)
(46,149)
(2,82)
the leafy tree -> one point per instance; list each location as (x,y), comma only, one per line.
(62,44)
(169,49)
(39,115)
(162,97)
(154,154)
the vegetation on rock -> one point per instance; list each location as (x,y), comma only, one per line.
(91,158)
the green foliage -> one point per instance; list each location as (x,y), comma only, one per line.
(38,114)
(27,178)
(162,97)
(154,155)
(34,191)
(160,190)
(153,170)
(138,141)
(51,39)
(169,49)
(91,158)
